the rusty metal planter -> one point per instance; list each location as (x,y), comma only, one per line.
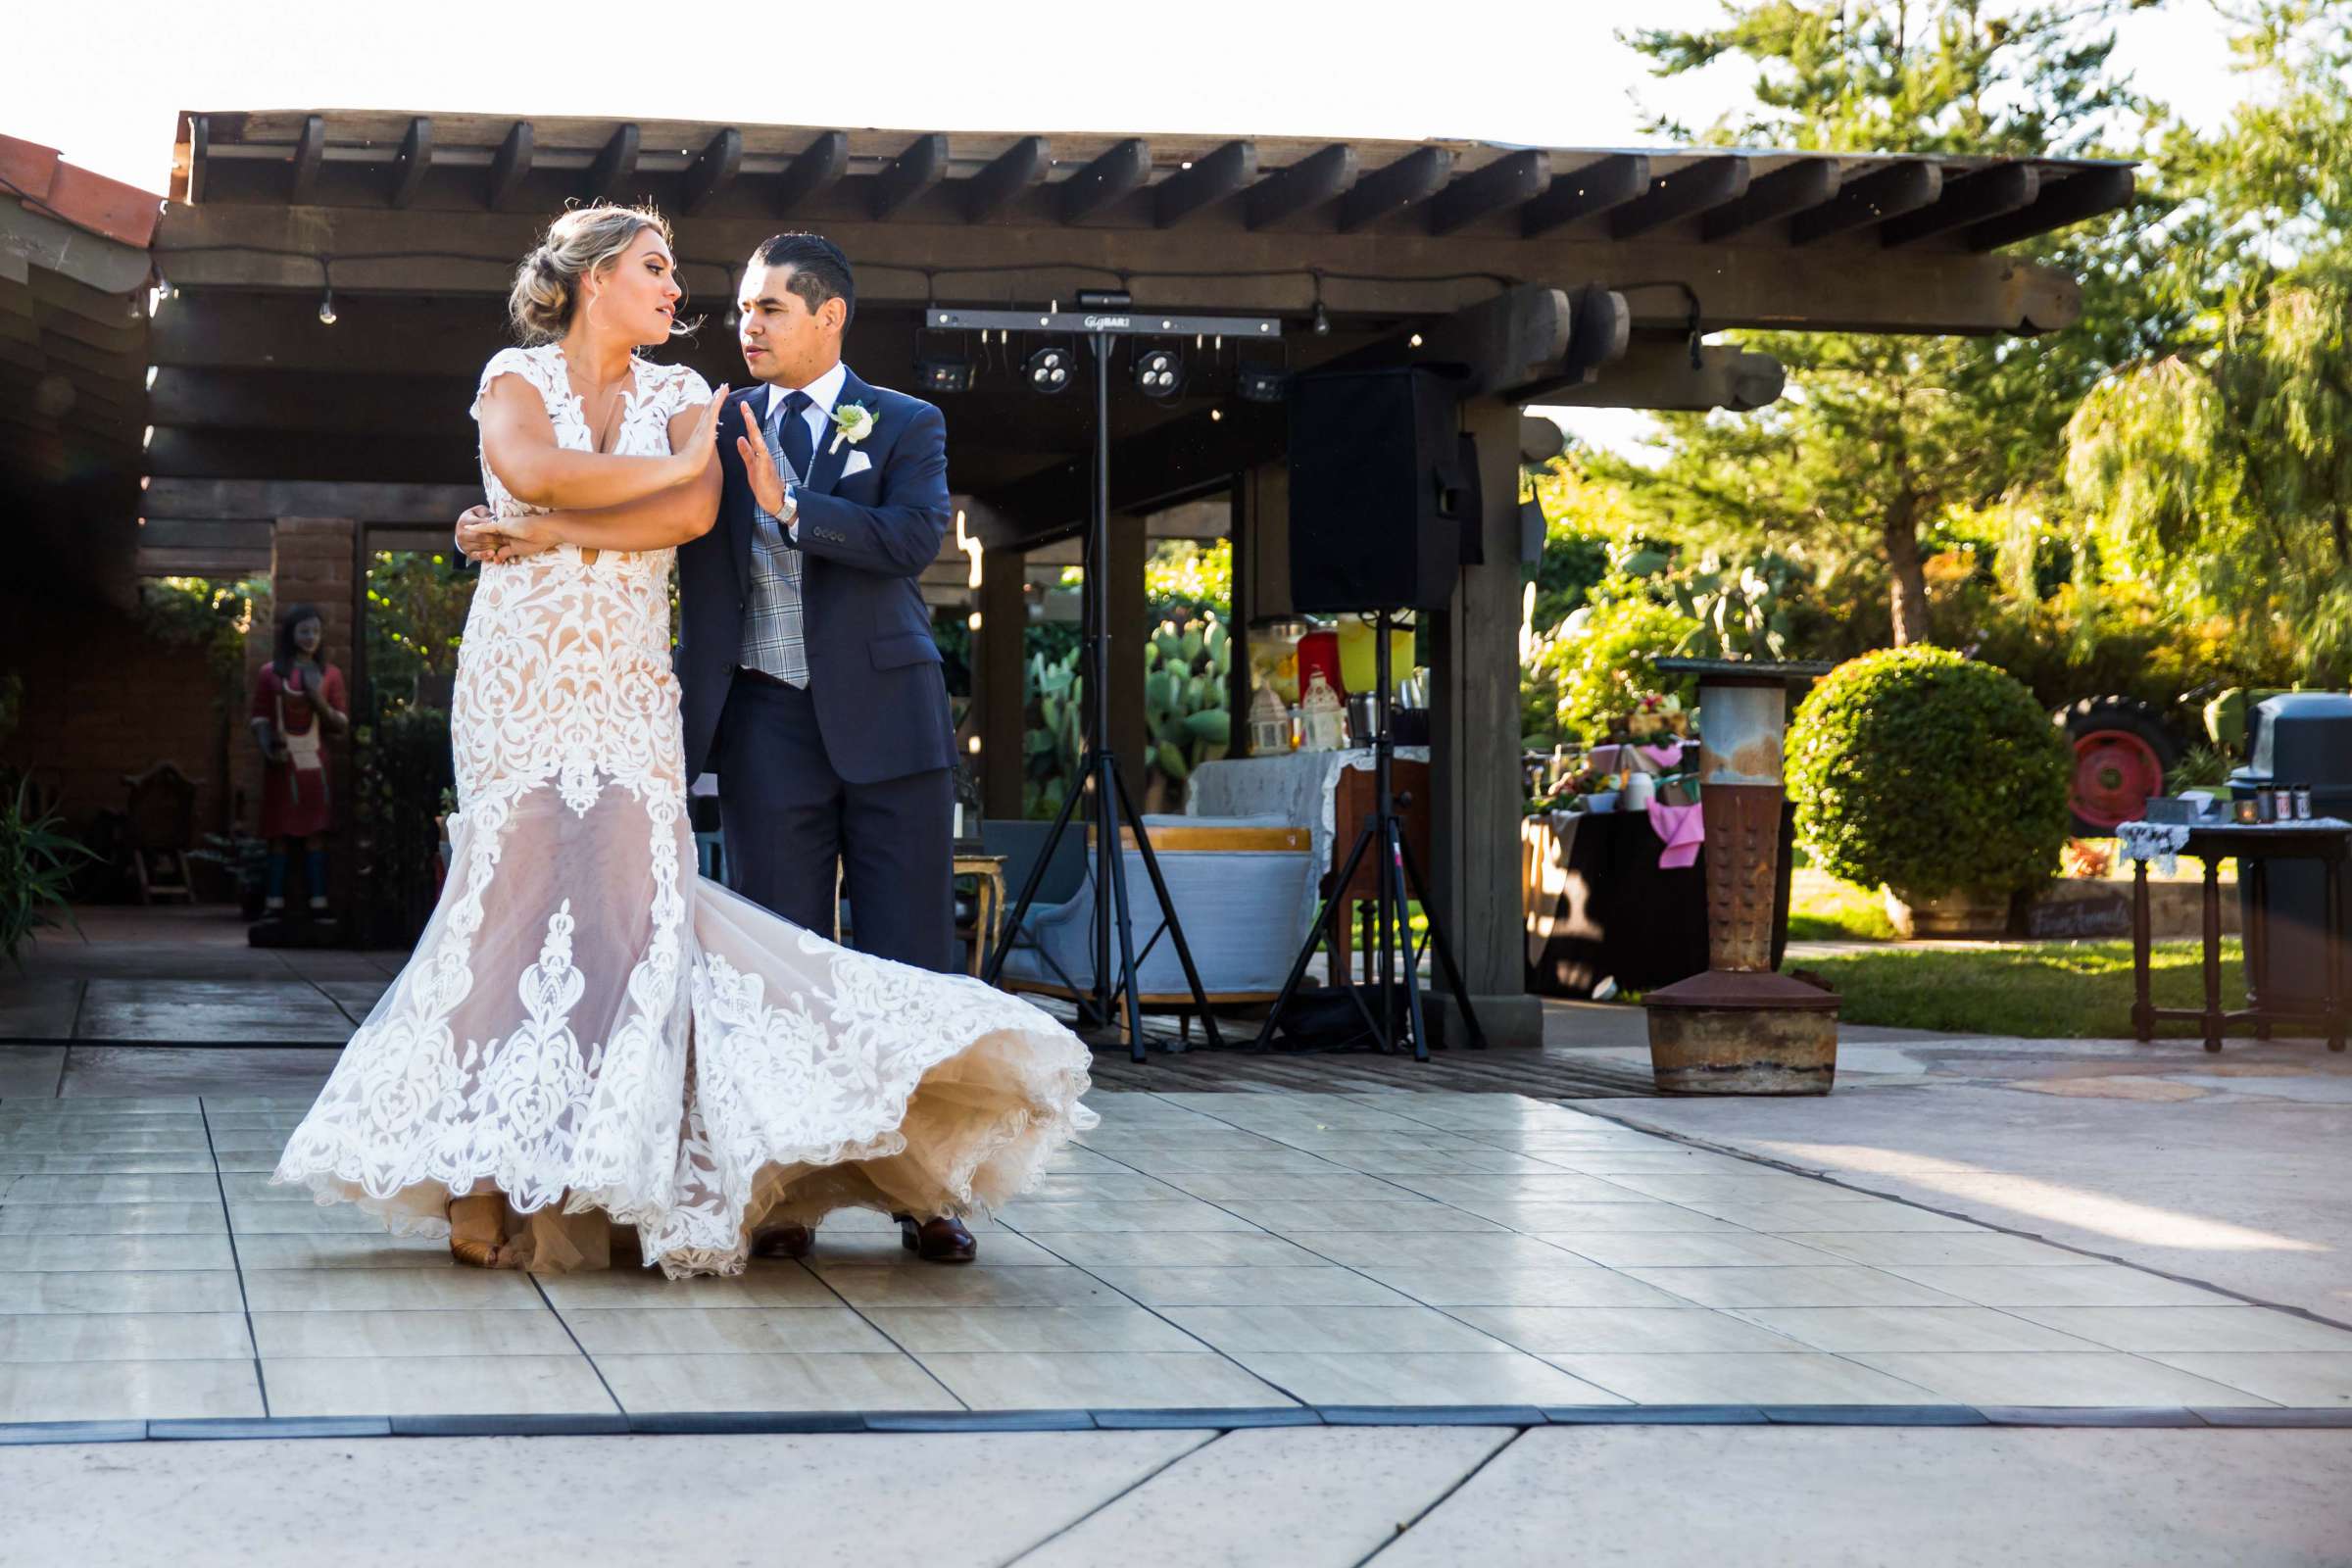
(1740,1028)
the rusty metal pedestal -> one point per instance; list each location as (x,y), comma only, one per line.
(1740,1028)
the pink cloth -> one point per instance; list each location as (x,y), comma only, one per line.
(1668,756)
(1683,830)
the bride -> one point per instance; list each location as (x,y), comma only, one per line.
(588,1032)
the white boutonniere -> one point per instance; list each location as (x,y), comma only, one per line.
(851,422)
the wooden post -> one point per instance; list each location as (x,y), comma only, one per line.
(1473,737)
(999,679)
(1129,619)
(1237,623)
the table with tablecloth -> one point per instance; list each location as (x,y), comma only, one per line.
(1298,787)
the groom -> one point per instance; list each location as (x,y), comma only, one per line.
(810,681)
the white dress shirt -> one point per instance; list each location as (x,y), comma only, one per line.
(823,393)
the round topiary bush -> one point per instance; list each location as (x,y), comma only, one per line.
(1929,773)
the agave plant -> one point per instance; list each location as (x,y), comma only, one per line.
(38,863)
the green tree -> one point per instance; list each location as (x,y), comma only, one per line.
(2220,463)
(1879,436)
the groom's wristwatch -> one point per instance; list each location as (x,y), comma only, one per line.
(792,507)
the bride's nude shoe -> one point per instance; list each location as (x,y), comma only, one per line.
(477,1231)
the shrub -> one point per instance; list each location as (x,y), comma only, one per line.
(1603,658)
(1929,773)
(38,863)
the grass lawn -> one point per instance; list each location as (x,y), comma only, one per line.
(1822,909)
(2055,991)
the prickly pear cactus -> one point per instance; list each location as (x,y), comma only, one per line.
(1186,720)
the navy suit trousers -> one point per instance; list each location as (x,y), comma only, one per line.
(788,821)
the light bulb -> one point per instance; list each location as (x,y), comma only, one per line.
(1322,320)
(327,308)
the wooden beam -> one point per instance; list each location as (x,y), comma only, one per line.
(1223,173)
(811,172)
(2089,194)
(1497,344)
(1968,200)
(1598,188)
(308,150)
(1407,182)
(380,335)
(920,166)
(415,160)
(1317,179)
(714,169)
(509,168)
(1792,188)
(200,151)
(615,163)
(1875,197)
(1118,172)
(417,503)
(1709,182)
(1012,171)
(1658,373)
(1508,181)
(308,400)
(322,456)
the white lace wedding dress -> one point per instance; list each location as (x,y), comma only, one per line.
(592,1029)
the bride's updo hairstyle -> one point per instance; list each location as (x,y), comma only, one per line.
(583,241)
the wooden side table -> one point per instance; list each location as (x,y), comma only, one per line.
(989,908)
(2253,846)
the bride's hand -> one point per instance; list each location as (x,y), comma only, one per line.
(691,458)
(493,539)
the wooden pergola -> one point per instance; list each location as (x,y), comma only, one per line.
(1548,276)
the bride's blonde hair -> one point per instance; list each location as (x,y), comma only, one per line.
(579,244)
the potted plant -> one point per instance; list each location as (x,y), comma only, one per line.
(1934,776)
(38,863)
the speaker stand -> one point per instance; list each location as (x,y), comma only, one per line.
(1383,836)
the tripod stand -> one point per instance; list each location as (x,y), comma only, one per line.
(1383,837)
(1098,770)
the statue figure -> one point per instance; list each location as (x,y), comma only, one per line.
(298,699)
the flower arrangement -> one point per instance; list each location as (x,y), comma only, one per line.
(1656,712)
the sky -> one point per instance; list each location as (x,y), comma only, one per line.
(114,77)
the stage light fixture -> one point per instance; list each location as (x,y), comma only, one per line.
(1049,369)
(1160,374)
(1259,384)
(943,373)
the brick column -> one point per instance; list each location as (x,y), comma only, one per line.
(316,561)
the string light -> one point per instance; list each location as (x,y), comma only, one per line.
(327,306)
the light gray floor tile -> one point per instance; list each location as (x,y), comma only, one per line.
(1351,1329)
(2203,1329)
(1372,1249)
(1546,1329)
(1251,1287)
(1025,1380)
(63,1128)
(762,1284)
(248,1140)
(373,1290)
(922,1284)
(1421,1378)
(1633,1214)
(128,1390)
(843,1380)
(295,1104)
(1071,1160)
(1486,1194)
(16,1161)
(1756,1185)
(452,1331)
(999,1248)
(1176,1249)
(189,1011)
(1205,1138)
(1404,1212)
(1776,1378)
(123,1337)
(281,1218)
(189,1186)
(2055,1378)
(1611,1160)
(169,1218)
(1840,1329)
(721,1331)
(1888,1249)
(1472,1161)
(202,1070)
(113,1253)
(36,1008)
(921,1330)
(1225,1187)
(1184,1214)
(378,1250)
(2303,1377)
(1726,1249)
(1309,1498)
(434,1384)
(108,1106)
(1097,1188)
(2093,1284)
(281,1122)
(1831,1285)
(1782,1218)
(99,1291)
(121,1136)
(1532,1285)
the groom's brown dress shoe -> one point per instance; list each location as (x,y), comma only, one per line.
(783,1241)
(941,1238)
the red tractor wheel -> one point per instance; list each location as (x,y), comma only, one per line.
(2122,752)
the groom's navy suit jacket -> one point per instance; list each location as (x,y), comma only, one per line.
(873,670)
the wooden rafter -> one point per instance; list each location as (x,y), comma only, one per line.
(811,172)
(1792,188)
(1310,182)
(1601,186)
(1682,193)
(1010,173)
(509,168)
(1119,172)
(1223,173)
(615,163)
(714,170)
(1973,199)
(1508,181)
(1407,182)
(415,160)
(1873,198)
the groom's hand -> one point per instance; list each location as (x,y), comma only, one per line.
(768,485)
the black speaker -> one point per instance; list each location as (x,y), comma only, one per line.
(1383,491)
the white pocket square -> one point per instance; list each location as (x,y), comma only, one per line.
(857,462)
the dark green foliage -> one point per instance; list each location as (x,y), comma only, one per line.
(404,772)
(38,863)
(1929,773)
